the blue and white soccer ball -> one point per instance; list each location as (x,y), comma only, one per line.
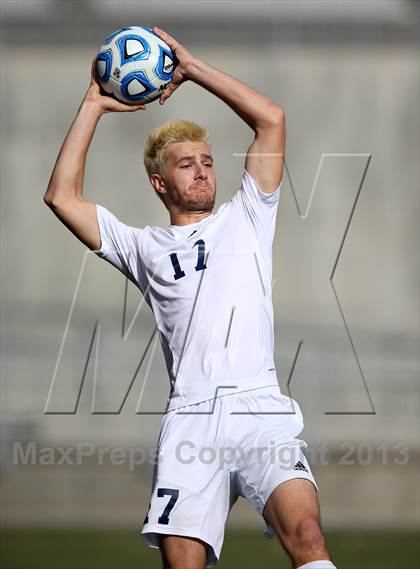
(134,65)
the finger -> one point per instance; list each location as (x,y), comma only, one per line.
(168,92)
(94,70)
(137,108)
(127,108)
(133,108)
(173,44)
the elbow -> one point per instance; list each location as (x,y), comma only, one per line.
(277,116)
(273,118)
(48,200)
(50,194)
(57,197)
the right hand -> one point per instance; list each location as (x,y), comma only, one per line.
(106,103)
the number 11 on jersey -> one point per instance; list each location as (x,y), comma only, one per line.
(179,273)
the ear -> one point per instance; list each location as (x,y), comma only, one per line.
(158,183)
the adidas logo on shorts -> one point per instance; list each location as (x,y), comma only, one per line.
(300,466)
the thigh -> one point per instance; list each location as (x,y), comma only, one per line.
(290,504)
(183,552)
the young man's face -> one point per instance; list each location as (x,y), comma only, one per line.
(189,180)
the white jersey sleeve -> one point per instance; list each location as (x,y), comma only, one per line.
(120,245)
(259,207)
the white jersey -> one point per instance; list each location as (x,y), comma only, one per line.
(209,287)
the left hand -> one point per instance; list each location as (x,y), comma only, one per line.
(183,60)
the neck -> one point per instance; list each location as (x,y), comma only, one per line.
(188,217)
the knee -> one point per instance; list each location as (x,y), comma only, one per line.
(306,541)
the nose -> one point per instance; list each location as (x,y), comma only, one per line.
(201,172)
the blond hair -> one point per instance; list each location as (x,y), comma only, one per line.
(161,137)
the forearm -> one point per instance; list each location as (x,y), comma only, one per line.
(254,108)
(67,177)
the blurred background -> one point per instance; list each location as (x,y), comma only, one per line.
(80,416)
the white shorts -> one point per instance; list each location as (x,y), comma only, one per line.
(243,444)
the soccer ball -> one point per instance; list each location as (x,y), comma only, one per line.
(134,65)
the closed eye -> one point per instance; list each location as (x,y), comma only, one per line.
(207,165)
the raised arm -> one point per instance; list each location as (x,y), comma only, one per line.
(65,190)
(265,157)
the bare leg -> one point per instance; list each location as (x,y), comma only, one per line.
(293,512)
(179,552)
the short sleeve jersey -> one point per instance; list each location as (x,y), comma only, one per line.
(208,285)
